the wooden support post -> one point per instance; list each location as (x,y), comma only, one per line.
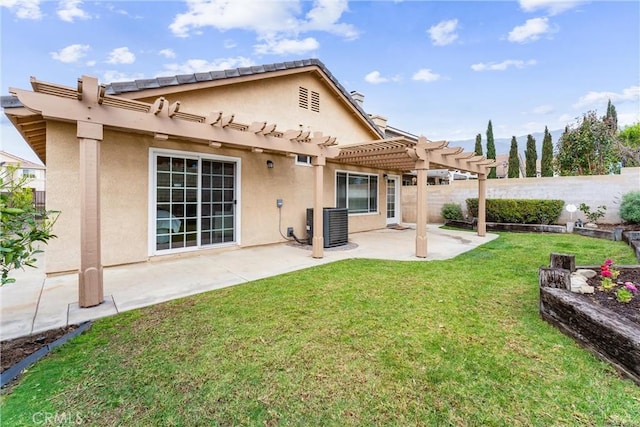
(90,284)
(482,205)
(421,209)
(318,198)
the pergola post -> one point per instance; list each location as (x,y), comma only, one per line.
(318,193)
(482,205)
(421,205)
(90,284)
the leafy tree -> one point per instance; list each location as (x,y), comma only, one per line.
(478,148)
(491,149)
(21,226)
(546,163)
(514,162)
(587,148)
(531,156)
(628,145)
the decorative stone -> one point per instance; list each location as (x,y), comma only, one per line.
(577,282)
(586,273)
(590,225)
(586,289)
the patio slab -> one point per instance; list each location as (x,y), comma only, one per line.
(37,303)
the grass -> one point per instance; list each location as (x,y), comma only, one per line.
(357,342)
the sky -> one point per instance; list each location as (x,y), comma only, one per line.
(439,69)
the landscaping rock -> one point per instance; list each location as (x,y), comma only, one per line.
(578,282)
(586,273)
(586,289)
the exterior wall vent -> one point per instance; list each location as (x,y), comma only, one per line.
(303,97)
(335,224)
(315,102)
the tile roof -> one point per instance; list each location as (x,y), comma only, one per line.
(117,88)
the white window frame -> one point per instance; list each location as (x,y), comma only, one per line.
(299,162)
(151,215)
(377,211)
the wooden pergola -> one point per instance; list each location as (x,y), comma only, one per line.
(92,111)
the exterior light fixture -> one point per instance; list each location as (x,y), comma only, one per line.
(269,164)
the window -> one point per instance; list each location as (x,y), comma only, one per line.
(195,201)
(357,192)
(28,173)
(303,160)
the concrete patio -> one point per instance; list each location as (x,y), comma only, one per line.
(37,303)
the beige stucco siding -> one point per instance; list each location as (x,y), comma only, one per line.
(275,100)
(63,194)
(125,195)
(124,184)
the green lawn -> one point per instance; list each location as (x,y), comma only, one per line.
(357,342)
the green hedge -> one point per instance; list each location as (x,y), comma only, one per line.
(519,211)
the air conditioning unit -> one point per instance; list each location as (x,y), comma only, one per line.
(335,226)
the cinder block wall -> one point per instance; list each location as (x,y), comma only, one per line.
(595,191)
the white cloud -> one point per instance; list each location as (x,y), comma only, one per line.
(280,20)
(168,53)
(543,109)
(630,94)
(287,46)
(90,63)
(502,66)
(68,10)
(532,30)
(325,16)
(71,53)
(426,75)
(111,76)
(229,44)
(375,78)
(553,7)
(24,9)
(443,33)
(121,55)
(201,66)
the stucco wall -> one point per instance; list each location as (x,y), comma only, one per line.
(275,100)
(63,194)
(125,195)
(593,190)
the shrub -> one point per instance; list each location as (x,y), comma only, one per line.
(519,211)
(592,216)
(452,211)
(630,207)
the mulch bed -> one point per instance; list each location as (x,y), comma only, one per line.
(13,351)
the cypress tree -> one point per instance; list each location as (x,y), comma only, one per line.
(531,156)
(611,119)
(546,163)
(514,162)
(491,149)
(478,148)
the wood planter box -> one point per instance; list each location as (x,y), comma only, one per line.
(600,234)
(606,334)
